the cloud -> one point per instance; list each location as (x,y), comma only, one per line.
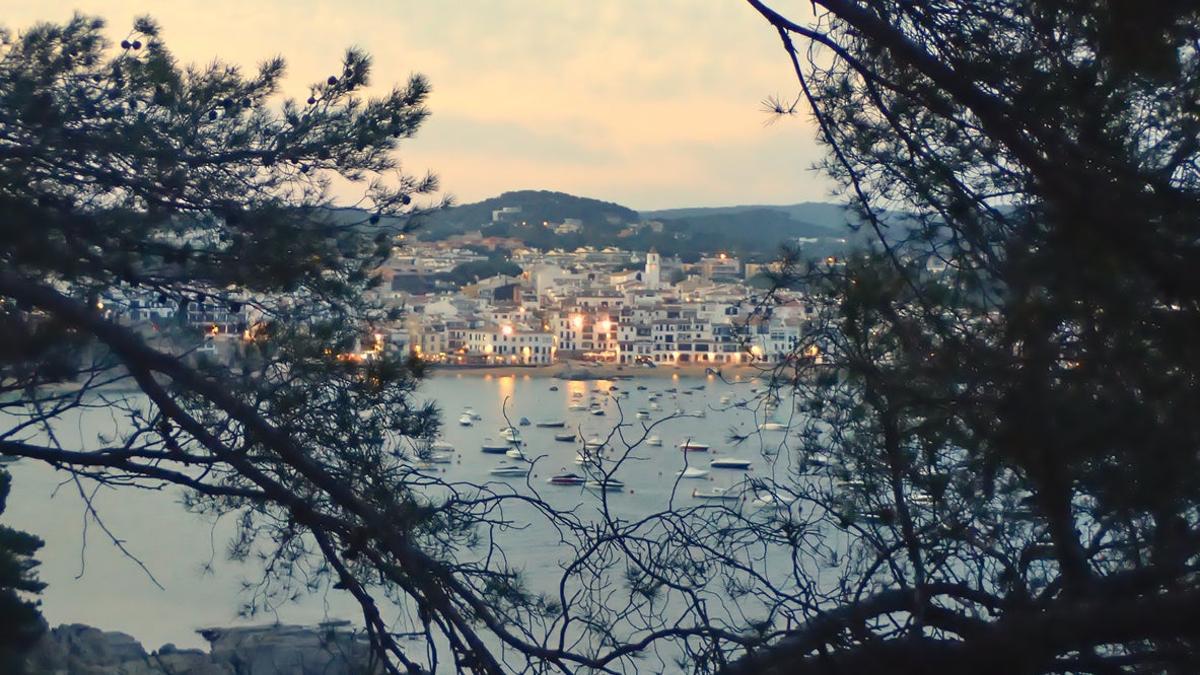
(651,103)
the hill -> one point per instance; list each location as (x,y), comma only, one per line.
(536,207)
(751,231)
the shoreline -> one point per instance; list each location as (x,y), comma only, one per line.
(579,370)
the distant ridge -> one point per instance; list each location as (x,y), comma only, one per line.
(751,230)
(825,214)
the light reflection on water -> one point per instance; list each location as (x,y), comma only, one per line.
(178,547)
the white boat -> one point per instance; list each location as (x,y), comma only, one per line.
(643,414)
(652,397)
(654,441)
(441,446)
(698,413)
(466,420)
(593,443)
(565,437)
(726,398)
(693,446)
(567,478)
(692,472)
(773,426)
(596,410)
(494,448)
(515,453)
(588,458)
(510,434)
(730,463)
(506,469)
(719,494)
(437,458)
(471,412)
(817,459)
(577,407)
(768,500)
(655,406)
(605,484)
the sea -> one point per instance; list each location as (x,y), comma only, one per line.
(144,565)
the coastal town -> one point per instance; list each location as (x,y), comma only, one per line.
(592,305)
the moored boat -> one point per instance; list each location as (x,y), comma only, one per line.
(692,472)
(567,478)
(693,446)
(506,469)
(494,447)
(566,438)
(466,420)
(606,484)
(551,424)
(654,441)
(729,463)
(719,494)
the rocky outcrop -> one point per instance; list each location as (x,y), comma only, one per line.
(328,649)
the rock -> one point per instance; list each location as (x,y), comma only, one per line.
(328,649)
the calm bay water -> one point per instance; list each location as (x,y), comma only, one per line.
(97,585)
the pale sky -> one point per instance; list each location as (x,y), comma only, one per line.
(650,103)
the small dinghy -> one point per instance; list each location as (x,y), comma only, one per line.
(466,420)
(773,426)
(515,453)
(510,434)
(693,446)
(692,472)
(654,441)
(565,438)
(551,424)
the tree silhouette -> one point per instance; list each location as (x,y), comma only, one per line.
(1005,381)
(21,623)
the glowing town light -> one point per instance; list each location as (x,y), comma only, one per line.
(577,321)
(604,325)
(507,330)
